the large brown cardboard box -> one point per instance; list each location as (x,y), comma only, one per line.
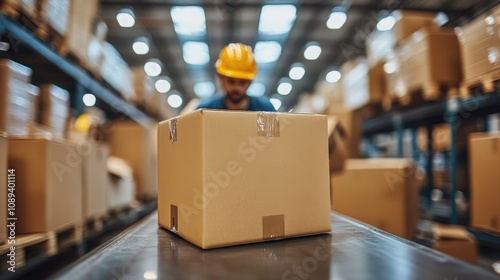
(352,123)
(407,22)
(229,177)
(479,43)
(3,186)
(132,142)
(95,178)
(484,158)
(120,185)
(379,192)
(455,241)
(427,61)
(48,184)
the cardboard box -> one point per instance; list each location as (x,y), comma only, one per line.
(132,142)
(355,85)
(352,123)
(57,14)
(257,183)
(120,187)
(426,61)
(455,241)
(115,71)
(380,192)
(479,43)
(377,83)
(82,14)
(54,109)
(3,187)
(336,144)
(48,184)
(484,158)
(95,179)
(379,44)
(407,22)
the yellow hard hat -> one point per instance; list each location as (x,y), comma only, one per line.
(236,60)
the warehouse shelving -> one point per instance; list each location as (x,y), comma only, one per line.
(16,32)
(450,111)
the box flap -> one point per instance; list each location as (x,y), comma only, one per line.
(119,167)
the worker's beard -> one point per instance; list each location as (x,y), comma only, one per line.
(236,97)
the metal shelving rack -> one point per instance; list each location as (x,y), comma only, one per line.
(84,81)
(452,112)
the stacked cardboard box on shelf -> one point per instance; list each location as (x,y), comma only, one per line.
(379,192)
(48,183)
(95,53)
(480,50)
(355,83)
(143,87)
(274,187)
(17,98)
(3,186)
(54,109)
(56,13)
(79,30)
(379,45)
(408,22)
(26,7)
(95,178)
(484,157)
(116,72)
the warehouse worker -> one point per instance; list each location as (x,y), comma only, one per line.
(237,68)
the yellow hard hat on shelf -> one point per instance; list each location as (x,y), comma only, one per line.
(236,60)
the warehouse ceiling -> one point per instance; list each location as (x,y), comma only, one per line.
(238,21)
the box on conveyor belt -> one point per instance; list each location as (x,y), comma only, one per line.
(120,186)
(115,71)
(134,143)
(407,22)
(352,123)
(95,178)
(484,158)
(427,61)
(480,46)
(54,109)
(48,184)
(455,241)
(17,98)
(337,144)
(380,192)
(3,186)
(228,178)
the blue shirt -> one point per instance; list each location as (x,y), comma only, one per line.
(254,104)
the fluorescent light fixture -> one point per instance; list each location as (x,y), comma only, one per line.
(441,19)
(141,45)
(386,23)
(489,20)
(297,72)
(125,18)
(267,51)
(276,103)
(285,88)
(312,52)
(333,76)
(390,67)
(163,86)
(150,275)
(195,53)
(189,20)
(174,100)
(89,99)
(204,89)
(152,67)
(277,19)
(256,89)
(337,18)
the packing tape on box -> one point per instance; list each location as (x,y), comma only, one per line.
(172,125)
(273,227)
(268,124)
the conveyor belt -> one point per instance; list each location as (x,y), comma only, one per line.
(351,251)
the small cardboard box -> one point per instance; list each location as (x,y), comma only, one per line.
(455,241)
(379,192)
(3,186)
(48,184)
(228,177)
(484,158)
(95,178)
(407,22)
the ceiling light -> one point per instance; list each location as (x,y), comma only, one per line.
(141,45)
(441,19)
(152,67)
(204,89)
(333,76)
(196,53)
(175,101)
(256,89)
(390,67)
(337,18)
(276,103)
(189,20)
(267,51)
(297,72)
(125,18)
(89,99)
(386,23)
(163,86)
(285,88)
(277,19)
(312,52)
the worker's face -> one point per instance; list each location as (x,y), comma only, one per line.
(235,89)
